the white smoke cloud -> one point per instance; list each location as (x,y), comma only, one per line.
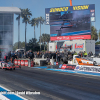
(7,44)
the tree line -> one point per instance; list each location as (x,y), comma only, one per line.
(33,44)
(26,15)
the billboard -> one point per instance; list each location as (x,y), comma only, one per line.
(69,23)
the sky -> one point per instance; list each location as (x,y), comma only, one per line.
(37,8)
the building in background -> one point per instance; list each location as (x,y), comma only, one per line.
(7,27)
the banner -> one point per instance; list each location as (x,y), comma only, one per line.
(22,63)
(70,67)
(15,62)
(18,62)
(70,37)
(88,68)
(26,62)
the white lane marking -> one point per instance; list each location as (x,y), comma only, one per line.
(14,93)
(2,97)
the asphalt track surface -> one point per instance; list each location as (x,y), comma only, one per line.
(51,85)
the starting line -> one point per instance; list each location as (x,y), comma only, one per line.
(5,96)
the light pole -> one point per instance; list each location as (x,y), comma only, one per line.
(40,35)
(98,34)
(18,32)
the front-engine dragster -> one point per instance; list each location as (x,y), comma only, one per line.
(8,65)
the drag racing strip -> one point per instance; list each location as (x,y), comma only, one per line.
(6,94)
(51,84)
(69,71)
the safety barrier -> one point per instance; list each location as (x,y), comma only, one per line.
(37,61)
(24,62)
(55,63)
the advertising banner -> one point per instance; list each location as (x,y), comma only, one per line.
(15,62)
(70,37)
(18,62)
(22,62)
(26,62)
(70,67)
(55,63)
(76,45)
(88,68)
(70,23)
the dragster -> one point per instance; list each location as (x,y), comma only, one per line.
(76,59)
(8,65)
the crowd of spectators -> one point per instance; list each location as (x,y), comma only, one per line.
(11,55)
(57,55)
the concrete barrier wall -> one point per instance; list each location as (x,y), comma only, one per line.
(37,60)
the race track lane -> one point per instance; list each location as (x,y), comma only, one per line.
(51,85)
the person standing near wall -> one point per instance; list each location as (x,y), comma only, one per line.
(85,54)
(0,55)
(19,54)
(58,56)
(9,55)
(75,53)
(5,57)
(31,55)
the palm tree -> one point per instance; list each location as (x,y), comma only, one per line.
(94,35)
(26,13)
(41,21)
(99,34)
(45,38)
(34,22)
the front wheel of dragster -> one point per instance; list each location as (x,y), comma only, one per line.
(94,63)
(20,67)
(61,61)
(13,68)
(5,69)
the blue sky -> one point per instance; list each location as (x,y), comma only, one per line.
(37,7)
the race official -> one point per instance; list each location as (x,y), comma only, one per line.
(19,54)
(58,56)
(9,55)
(31,55)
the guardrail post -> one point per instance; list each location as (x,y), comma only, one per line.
(29,63)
